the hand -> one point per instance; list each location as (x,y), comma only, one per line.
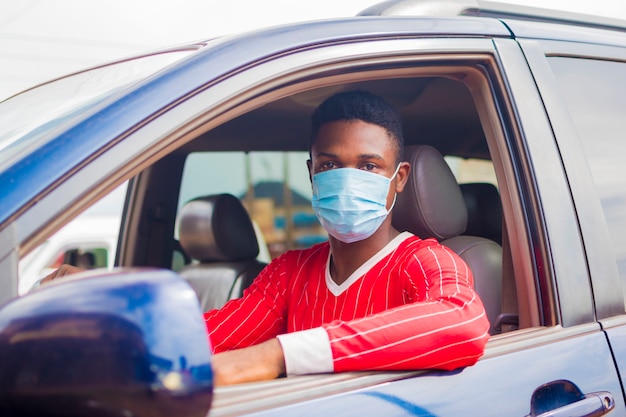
(61,271)
(255,363)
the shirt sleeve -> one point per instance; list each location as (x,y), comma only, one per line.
(446,328)
(254,318)
(307,352)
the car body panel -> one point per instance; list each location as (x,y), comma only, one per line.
(439,393)
(615,329)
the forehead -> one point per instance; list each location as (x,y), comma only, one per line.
(353,137)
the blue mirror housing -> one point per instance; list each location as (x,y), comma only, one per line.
(127,343)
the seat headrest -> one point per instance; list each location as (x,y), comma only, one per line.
(217,228)
(484,210)
(431,204)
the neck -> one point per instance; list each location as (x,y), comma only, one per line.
(347,257)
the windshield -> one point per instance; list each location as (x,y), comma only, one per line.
(27,117)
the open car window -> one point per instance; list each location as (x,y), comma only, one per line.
(273,186)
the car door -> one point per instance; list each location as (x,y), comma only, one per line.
(519,366)
(559,344)
(583,85)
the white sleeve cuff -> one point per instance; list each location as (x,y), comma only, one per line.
(307,352)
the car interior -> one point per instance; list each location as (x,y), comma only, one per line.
(208,236)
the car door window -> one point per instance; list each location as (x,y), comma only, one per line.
(273,186)
(89,241)
(275,189)
(595,94)
(472,170)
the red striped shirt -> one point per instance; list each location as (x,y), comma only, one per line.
(412,306)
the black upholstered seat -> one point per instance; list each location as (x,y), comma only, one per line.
(484,210)
(217,233)
(432,205)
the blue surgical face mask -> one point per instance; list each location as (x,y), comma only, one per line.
(351,203)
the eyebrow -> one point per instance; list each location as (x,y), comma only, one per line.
(361,156)
(326,154)
(371,156)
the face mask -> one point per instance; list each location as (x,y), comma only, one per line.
(351,203)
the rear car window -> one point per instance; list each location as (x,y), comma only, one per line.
(595,94)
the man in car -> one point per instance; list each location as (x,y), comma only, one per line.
(371,298)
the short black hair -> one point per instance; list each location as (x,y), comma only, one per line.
(360,105)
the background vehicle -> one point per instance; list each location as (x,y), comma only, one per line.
(534,101)
(88,242)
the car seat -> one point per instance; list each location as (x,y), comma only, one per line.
(217,234)
(432,205)
(484,210)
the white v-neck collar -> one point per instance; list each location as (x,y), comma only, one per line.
(366,266)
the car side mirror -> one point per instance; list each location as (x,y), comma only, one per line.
(127,343)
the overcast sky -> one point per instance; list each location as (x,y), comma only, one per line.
(41,39)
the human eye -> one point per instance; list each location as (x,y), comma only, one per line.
(369,166)
(327,165)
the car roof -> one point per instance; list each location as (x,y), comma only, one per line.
(487,8)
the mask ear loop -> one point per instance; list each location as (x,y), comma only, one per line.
(395,173)
(395,196)
(392,204)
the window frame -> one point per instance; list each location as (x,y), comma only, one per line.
(327,65)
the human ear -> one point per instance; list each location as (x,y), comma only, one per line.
(309,166)
(402,176)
